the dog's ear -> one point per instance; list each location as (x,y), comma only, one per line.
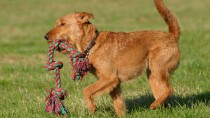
(83,17)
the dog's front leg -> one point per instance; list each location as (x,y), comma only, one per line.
(103,85)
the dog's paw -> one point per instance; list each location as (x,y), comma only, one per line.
(91,107)
(154,105)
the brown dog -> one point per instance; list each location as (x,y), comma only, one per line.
(120,56)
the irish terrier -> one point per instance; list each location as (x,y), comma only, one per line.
(121,56)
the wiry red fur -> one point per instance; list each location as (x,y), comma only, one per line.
(120,56)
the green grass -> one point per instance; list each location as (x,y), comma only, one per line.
(23,53)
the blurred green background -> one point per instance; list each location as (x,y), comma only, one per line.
(23,53)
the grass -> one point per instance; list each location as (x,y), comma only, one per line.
(24,53)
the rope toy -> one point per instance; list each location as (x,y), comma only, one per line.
(80,64)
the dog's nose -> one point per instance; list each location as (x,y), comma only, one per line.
(46,36)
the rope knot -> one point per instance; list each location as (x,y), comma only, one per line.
(53,65)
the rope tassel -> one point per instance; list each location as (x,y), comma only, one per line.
(54,101)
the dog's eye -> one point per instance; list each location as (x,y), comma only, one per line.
(62,24)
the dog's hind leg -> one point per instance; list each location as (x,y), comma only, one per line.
(160,65)
(161,88)
(118,100)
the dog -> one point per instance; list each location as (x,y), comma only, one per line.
(121,56)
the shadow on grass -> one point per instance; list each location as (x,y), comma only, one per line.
(143,102)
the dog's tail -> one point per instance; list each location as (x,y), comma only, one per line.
(169,18)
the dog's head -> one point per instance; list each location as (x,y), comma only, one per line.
(74,28)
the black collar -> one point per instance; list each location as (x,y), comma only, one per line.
(92,43)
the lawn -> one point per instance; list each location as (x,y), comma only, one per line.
(23,53)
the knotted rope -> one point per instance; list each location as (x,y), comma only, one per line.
(80,64)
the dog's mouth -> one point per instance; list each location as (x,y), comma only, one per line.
(50,42)
(62,40)
(55,40)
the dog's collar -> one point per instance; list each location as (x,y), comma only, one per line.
(92,43)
